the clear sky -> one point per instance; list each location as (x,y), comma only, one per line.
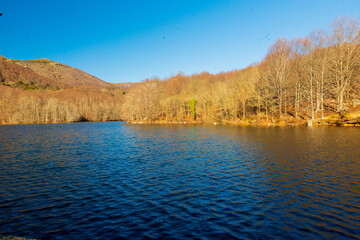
(131,40)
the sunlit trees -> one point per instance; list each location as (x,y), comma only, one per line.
(143,101)
(344,56)
(278,70)
(300,78)
(18,106)
(303,78)
(321,44)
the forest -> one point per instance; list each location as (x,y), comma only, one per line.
(314,78)
(306,78)
(71,105)
(43,91)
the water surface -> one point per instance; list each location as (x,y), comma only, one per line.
(114,180)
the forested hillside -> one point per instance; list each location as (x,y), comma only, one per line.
(43,91)
(70,105)
(305,78)
(315,77)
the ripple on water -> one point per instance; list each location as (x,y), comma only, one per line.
(113,180)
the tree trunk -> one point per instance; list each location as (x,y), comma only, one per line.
(340,101)
(244,108)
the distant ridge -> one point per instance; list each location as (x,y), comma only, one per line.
(63,73)
(45,74)
(17,76)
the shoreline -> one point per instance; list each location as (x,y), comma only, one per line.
(333,120)
(341,119)
(33,123)
(256,123)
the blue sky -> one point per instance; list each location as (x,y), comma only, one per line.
(122,41)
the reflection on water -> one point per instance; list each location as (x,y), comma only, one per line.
(113,180)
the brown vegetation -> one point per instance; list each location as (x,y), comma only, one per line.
(310,80)
(62,73)
(16,76)
(44,74)
(299,80)
(70,105)
(42,91)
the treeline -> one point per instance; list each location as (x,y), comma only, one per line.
(304,78)
(72,105)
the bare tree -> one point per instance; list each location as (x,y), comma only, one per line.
(278,69)
(344,55)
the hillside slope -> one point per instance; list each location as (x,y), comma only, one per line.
(16,76)
(43,91)
(44,74)
(62,73)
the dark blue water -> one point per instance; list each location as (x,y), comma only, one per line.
(114,181)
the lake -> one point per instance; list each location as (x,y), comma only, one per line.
(119,181)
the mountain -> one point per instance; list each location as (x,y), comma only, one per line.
(16,76)
(44,74)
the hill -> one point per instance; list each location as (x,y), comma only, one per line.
(45,74)
(17,76)
(44,91)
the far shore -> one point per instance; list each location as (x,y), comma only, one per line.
(60,122)
(333,120)
(233,123)
(338,119)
